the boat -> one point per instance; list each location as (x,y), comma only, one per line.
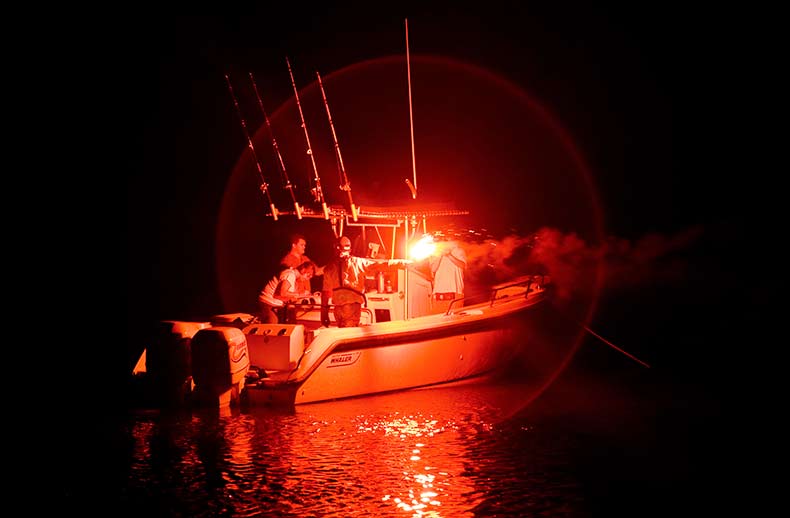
(419,351)
(404,341)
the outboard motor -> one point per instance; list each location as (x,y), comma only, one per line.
(219,363)
(168,360)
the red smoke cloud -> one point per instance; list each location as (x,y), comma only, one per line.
(573,264)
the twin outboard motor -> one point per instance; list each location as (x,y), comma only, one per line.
(168,360)
(220,361)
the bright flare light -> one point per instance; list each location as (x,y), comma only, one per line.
(423,248)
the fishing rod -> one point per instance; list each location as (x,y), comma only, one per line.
(318,193)
(344,183)
(412,187)
(288,185)
(264,185)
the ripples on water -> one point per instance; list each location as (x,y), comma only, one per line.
(439,452)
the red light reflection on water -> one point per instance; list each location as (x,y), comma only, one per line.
(423,486)
(434,452)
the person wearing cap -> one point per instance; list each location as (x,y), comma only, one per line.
(348,271)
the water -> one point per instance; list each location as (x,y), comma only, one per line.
(449,454)
(608,439)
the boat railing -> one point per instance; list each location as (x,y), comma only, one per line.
(532,283)
(309,313)
(452,302)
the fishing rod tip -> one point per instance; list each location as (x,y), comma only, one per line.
(412,189)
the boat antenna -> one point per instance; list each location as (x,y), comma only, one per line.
(264,185)
(318,193)
(344,183)
(412,187)
(284,174)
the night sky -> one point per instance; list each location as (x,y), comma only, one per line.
(626,88)
(644,97)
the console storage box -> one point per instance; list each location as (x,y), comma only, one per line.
(275,347)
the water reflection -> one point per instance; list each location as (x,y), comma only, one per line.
(436,452)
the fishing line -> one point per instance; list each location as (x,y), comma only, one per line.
(599,337)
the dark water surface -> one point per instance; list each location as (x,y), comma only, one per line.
(612,438)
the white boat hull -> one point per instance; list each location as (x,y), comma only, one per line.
(305,362)
(396,367)
(399,355)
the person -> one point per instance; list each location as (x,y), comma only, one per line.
(295,282)
(447,269)
(348,271)
(296,255)
(290,285)
(295,287)
(269,302)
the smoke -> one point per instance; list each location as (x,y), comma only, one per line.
(574,265)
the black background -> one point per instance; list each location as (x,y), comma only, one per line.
(646,93)
(636,90)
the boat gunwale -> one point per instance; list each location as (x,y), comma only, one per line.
(449,324)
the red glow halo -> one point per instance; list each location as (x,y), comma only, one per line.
(480,141)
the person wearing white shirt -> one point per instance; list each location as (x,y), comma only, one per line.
(448,268)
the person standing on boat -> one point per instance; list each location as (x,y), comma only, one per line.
(448,269)
(296,255)
(348,271)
